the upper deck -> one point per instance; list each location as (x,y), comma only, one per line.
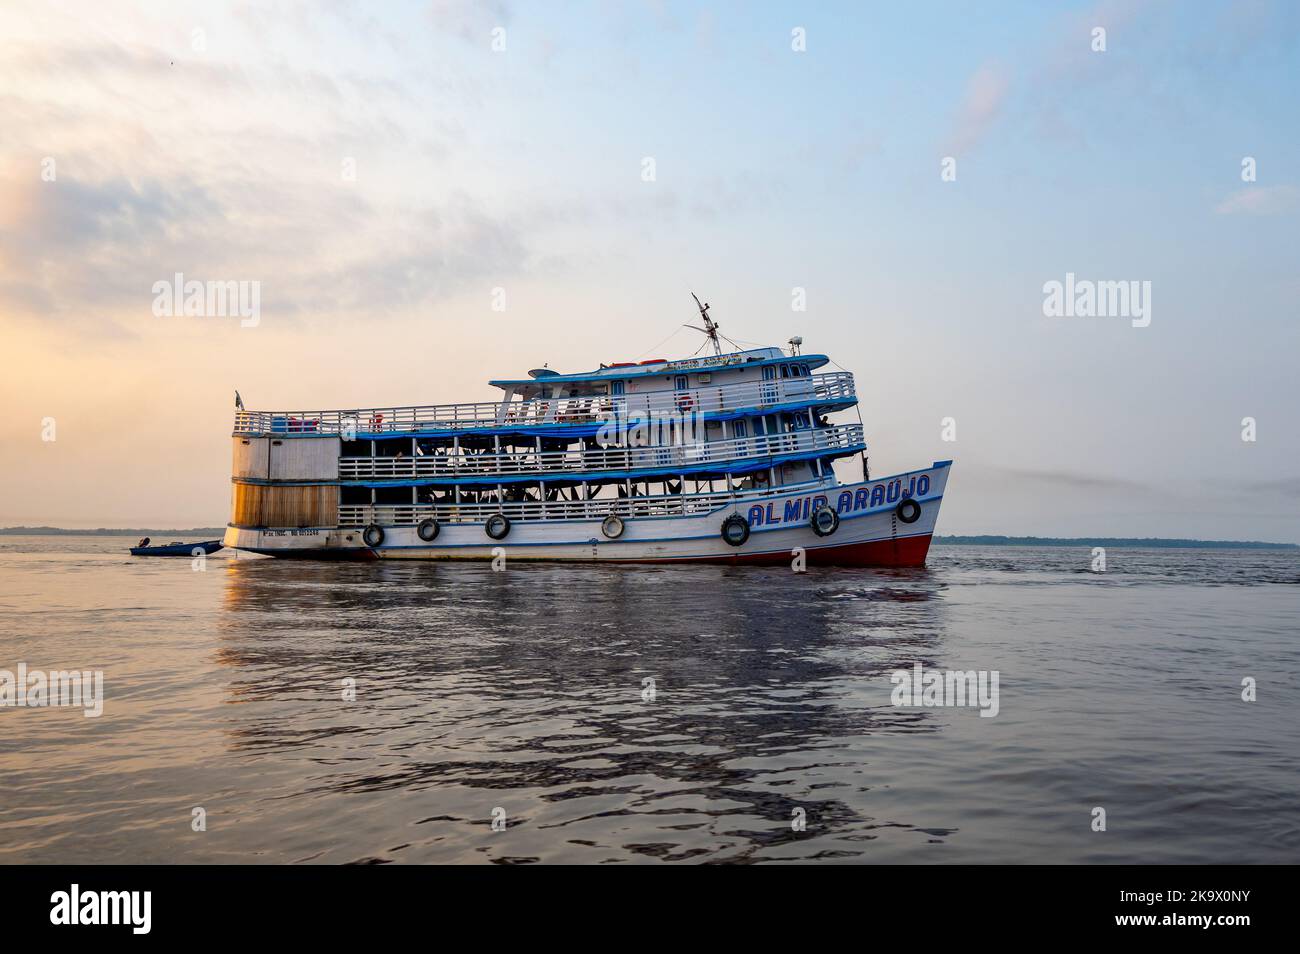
(577,415)
(633,372)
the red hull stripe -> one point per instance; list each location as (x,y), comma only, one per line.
(908,551)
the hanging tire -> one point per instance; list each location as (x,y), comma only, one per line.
(824,521)
(497,526)
(908,510)
(373,535)
(735,530)
(428,530)
(613,526)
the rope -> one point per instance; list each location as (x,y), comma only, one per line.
(660,344)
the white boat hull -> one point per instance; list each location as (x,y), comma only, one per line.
(870,532)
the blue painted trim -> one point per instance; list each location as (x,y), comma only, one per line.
(654,370)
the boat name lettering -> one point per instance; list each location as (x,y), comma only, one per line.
(799,509)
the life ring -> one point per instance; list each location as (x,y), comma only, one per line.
(824,521)
(613,526)
(735,530)
(908,510)
(373,535)
(428,530)
(685,402)
(377,421)
(497,526)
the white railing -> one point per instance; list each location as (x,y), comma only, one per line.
(480,468)
(668,505)
(814,389)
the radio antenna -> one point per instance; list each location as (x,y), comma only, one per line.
(710,326)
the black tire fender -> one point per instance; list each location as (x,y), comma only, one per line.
(735,530)
(908,510)
(824,521)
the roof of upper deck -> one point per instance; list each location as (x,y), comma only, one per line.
(753,358)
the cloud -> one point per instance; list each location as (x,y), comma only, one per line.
(986,93)
(470,20)
(1077,481)
(78,250)
(1283,486)
(86,254)
(1260,200)
(227,165)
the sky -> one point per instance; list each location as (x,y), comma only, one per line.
(393,174)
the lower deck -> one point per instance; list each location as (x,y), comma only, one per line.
(883,522)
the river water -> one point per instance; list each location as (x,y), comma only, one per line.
(391,712)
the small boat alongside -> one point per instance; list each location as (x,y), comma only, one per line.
(176,548)
(722,458)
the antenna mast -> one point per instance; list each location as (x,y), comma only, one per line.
(710,326)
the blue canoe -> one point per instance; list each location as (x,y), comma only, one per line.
(177,549)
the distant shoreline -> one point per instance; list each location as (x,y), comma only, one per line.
(959,541)
(1173,543)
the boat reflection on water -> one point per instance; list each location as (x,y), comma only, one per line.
(671,712)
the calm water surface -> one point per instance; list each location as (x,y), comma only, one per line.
(522,691)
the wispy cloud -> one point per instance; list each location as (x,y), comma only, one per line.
(471,20)
(1260,200)
(986,92)
(1076,480)
(1283,486)
(87,253)
(135,163)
